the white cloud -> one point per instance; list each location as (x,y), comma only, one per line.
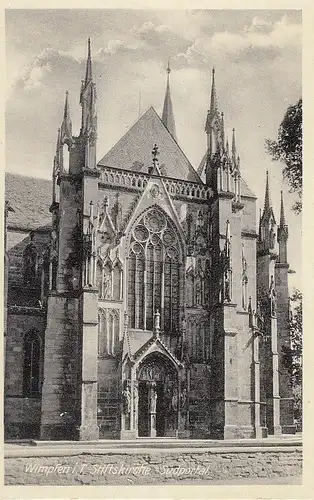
(148,31)
(258,24)
(36,76)
(47,63)
(260,39)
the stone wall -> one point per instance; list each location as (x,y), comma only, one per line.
(156,467)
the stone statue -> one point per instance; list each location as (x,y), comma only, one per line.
(126,399)
(153,399)
(183,398)
(174,400)
(272,297)
(227,296)
(106,288)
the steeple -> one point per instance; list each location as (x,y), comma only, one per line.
(233,146)
(267,230)
(282,212)
(214,126)
(88,99)
(167,113)
(267,205)
(213,96)
(222,131)
(66,126)
(282,233)
(88,74)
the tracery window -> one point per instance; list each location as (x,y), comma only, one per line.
(32,364)
(109,279)
(154,272)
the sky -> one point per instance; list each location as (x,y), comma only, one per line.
(256,54)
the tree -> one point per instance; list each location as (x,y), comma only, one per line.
(288,149)
(293,354)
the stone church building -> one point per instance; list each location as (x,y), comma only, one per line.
(141,300)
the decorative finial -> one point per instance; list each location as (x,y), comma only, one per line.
(155,153)
(168,67)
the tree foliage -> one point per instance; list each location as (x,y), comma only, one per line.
(296,323)
(288,149)
(293,355)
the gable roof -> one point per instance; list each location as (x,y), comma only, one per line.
(30,199)
(136,343)
(245,190)
(134,150)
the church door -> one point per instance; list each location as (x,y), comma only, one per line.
(157,397)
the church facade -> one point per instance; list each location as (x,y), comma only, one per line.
(141,301)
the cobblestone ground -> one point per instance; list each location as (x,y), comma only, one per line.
(122,469)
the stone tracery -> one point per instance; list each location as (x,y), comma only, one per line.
(154,272)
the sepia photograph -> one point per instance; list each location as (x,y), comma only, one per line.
(152,247)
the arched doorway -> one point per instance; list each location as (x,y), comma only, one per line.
(157,397)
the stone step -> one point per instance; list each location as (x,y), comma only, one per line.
(142,443)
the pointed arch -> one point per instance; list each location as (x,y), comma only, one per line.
(117,280)
(108,332)
(155,257)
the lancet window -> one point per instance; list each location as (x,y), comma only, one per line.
(154,266)
(108,332)
(109,279)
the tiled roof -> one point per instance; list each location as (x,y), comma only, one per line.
(134,150)
(30,199)
(245,190)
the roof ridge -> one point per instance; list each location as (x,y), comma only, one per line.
(190,164)
(128,131)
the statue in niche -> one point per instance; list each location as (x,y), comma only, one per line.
(126,399)
(198,293)
(117,214)
(135,394)
(153,398)
(183,398)
(272,297)
(106,286)
(227,287)
(174,400)
(30,257)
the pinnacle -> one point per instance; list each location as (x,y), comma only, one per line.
(167,113)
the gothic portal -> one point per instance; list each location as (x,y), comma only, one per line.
(141,300)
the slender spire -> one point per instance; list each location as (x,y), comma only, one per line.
(167,113)
(222,130)
(58,141)
(88,75)
(233,146)
(66,126)
(213,96)
(227,146)
(282,212)
(267,204)
(88,101)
